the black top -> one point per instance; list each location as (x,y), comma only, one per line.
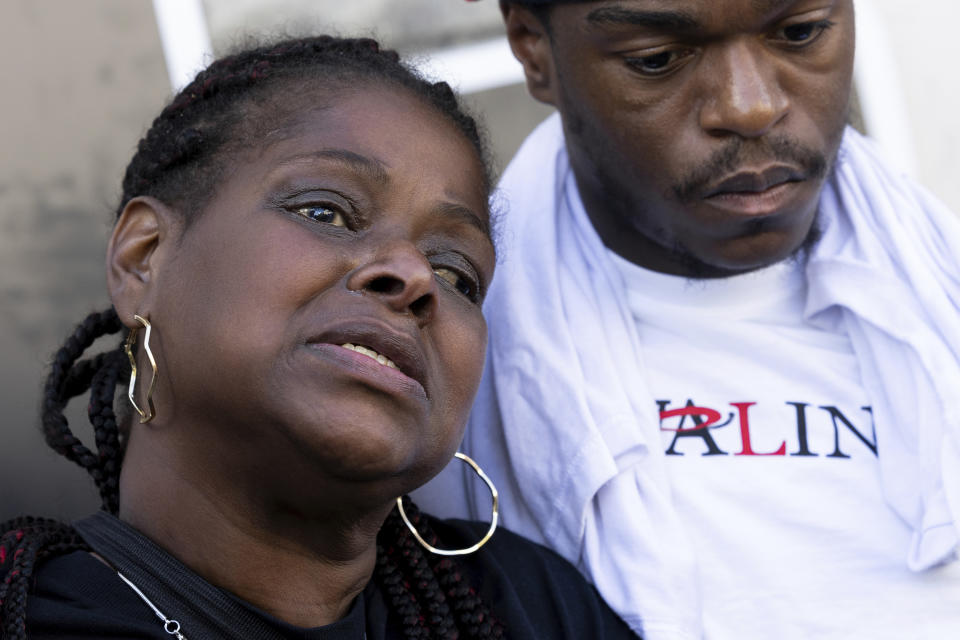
(530,589)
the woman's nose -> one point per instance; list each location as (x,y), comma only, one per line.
(402,278)
(745,96)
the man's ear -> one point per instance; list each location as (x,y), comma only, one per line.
(530,42)
(142,239)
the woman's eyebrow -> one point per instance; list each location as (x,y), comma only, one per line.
(376,170)
(372,168)
(464,214)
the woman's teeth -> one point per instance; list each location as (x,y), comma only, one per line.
(359,348)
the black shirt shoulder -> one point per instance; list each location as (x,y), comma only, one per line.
(76,596)
(532,590)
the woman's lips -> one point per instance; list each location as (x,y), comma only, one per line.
(372,354)
(399,344)
(369,370)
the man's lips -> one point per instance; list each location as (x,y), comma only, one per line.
(756,193)
(755,181)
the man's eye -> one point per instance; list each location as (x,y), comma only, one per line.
(462,284)
(803,33)
(658,63)
(320,213)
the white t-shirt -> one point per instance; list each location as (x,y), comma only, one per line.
(772,459)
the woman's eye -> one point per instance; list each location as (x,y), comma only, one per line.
(464,285)
(320,213)
(658,63)
(803,33)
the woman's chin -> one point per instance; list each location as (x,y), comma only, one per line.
(362,457)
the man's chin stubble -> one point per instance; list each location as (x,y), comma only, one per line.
(697,269)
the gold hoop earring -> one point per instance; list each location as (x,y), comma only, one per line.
(493,520)
(145,416)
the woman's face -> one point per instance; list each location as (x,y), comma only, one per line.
(363,223)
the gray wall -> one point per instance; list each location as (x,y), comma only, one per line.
(926,49)
(80,80)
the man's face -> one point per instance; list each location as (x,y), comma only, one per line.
(700,131)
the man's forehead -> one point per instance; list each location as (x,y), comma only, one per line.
(680,15)
(760,6)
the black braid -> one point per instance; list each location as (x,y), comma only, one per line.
(179,161)
(180,158)
(105,428)
(438,580)
(66,380)
(422,600)
(24,543)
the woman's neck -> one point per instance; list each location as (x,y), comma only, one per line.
(305,568)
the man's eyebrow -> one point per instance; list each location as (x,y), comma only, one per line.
(464,214)
(373,168)
(662,20)
(769,6)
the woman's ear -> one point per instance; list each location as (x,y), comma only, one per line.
(530,42)
(142,240)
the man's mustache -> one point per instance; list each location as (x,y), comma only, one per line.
(740,153)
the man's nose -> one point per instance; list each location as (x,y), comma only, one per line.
(743,94)
(399,275)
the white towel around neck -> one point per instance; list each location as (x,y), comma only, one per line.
(565,420)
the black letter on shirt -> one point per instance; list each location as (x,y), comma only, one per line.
(804,449)
(835,415)
(680,432)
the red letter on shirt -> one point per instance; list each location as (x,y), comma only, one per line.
(743,408)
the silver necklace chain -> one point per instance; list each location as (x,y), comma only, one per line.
(172,627)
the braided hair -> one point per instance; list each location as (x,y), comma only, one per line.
(179,161)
